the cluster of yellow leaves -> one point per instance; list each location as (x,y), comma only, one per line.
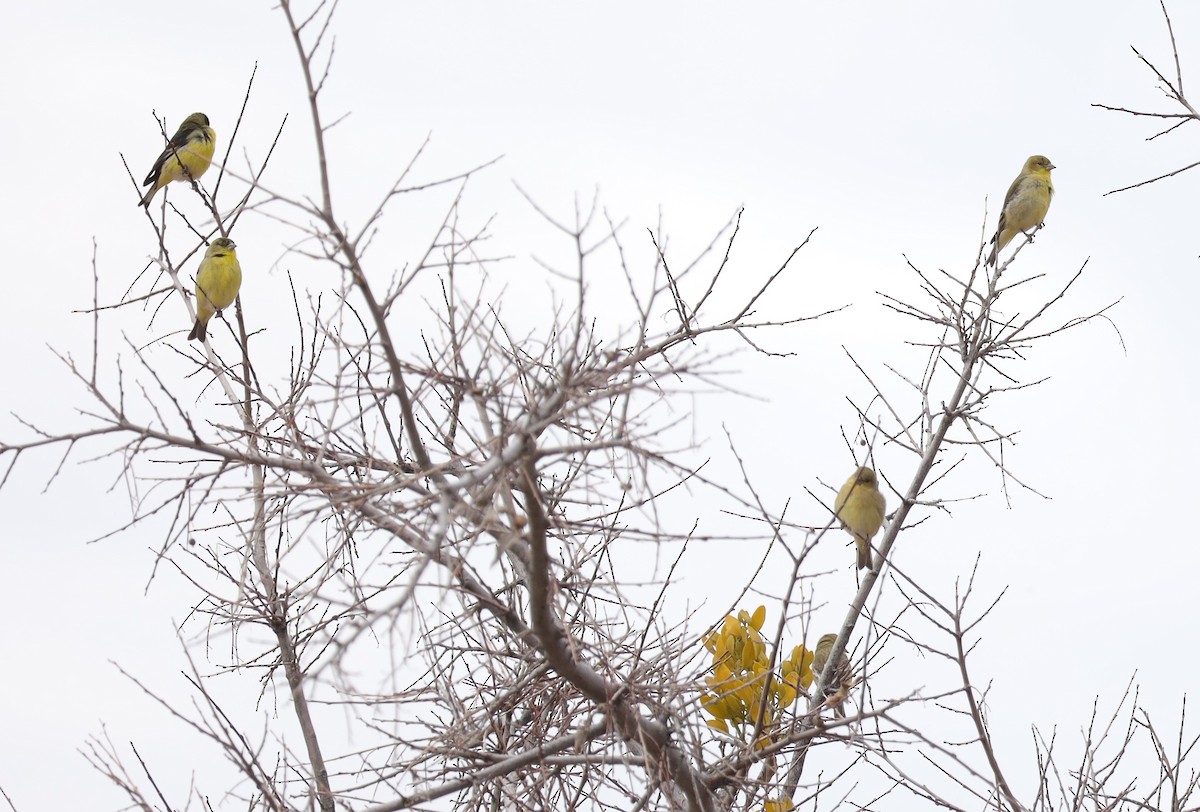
(742,686)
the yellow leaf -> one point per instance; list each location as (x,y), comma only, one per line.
(799,664)
(749,655)
(759,617)
(748,695)
(720,707)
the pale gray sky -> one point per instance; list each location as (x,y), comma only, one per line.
(886,125)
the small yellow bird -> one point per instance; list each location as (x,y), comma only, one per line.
(187,157)
(1026,203)
(821,653)
(860,507)
(841,681)
(217,283)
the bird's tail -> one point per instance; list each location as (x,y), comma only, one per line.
(994,255)
(199,331)
(864,552)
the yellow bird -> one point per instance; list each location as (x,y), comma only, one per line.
(1026,203)
(841,681)
(860,508)
(217,283)
(186,157)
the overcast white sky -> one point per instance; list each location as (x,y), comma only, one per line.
(884,124)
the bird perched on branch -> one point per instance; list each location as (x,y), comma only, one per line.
(860,508)
(1026,203)
(217,283)
(187,156)
(841,681)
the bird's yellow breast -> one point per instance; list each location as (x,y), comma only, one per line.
(861,508)
(1030,204)
(198,154)
(219,280)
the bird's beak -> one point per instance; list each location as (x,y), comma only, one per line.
(1052,166)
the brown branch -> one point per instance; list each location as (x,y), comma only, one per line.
(647,734)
